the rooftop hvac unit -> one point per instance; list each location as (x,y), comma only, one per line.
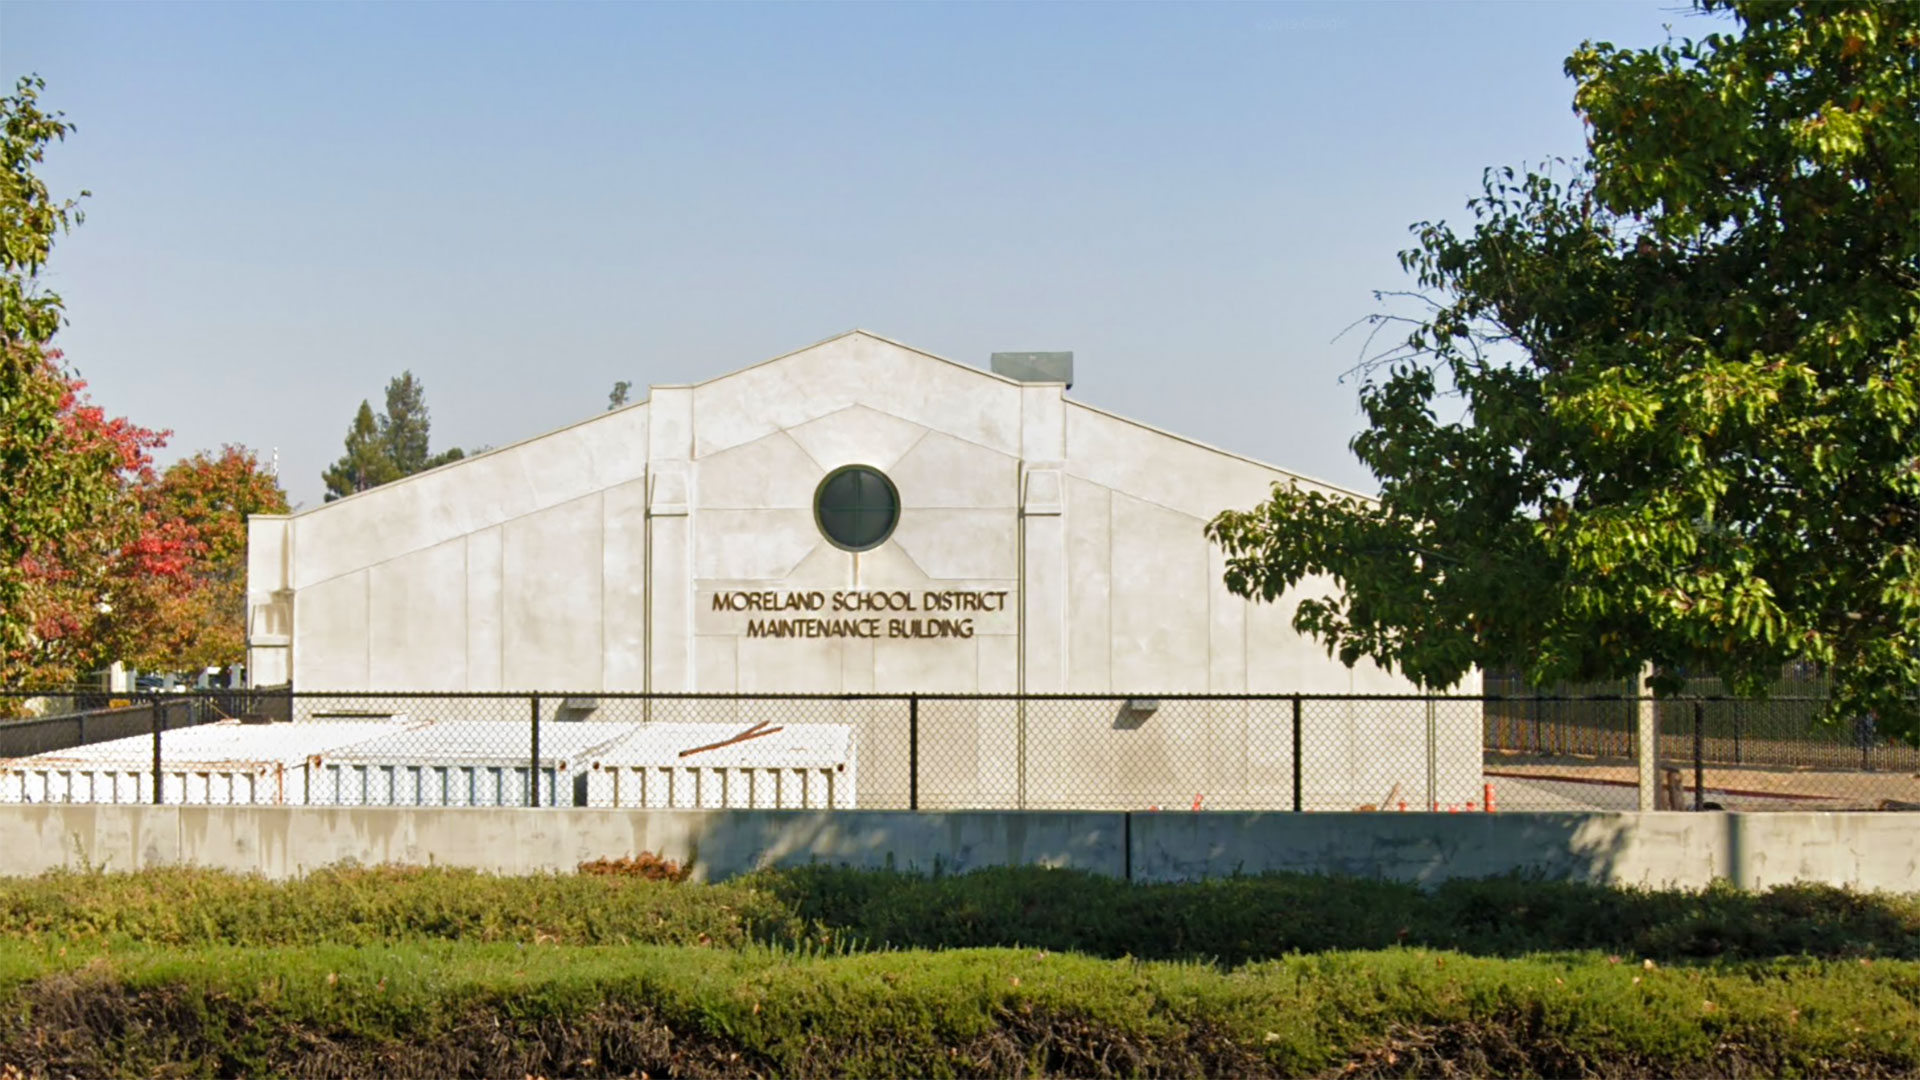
(464,763)
(222,763)
(722,766)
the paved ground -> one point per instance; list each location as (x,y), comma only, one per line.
(1753,750)
(1531,783)
(1519,796)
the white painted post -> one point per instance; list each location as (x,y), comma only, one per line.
(1646,737)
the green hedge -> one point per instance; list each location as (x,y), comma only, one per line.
(833,972)
(441,1008)
(370,906)
(1232,921)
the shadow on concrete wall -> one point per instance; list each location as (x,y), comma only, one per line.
(1233,888)
(1423,849)
(933,843)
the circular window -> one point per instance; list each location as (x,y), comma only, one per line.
(856,507)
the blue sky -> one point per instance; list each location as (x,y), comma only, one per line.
(523,203)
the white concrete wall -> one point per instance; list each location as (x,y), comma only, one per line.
(1755,851)
(484,574)
(588,559)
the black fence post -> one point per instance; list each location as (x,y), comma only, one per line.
(533,769)
(913,751)
(159,774)
(1699,754)
(1738,709)
(1296,753)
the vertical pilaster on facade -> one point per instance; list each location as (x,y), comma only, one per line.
(669,545)
(1226,629)
(1043,539)
(269,600)
(623,577)
(486,611)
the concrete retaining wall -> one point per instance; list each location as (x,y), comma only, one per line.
(1754,851)
(1860,850)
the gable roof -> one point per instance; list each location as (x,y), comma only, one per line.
(883,339)
(970,369)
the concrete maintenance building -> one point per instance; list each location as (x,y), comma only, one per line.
(855,517)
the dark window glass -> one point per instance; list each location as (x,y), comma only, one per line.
(856,507)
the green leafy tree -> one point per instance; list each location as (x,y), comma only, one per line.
(72,533)
(1691,388)
(30,218)
(41,497)
(618,397)
(387,446)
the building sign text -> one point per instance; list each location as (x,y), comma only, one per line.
(862,613)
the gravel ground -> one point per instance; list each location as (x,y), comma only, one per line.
(1572,783)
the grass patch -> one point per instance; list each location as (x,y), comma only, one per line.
(442,1008)
(1231,922)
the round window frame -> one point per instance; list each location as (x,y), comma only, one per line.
(893,494)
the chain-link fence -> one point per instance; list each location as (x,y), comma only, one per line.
(1284,752)
(1774,753)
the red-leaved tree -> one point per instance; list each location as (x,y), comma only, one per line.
(81,549)
(101,558)
(81,541)
(207,497)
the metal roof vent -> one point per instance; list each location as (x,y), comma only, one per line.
(1035,366)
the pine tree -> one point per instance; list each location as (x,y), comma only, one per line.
(368,461)
(404,428)
(387,446)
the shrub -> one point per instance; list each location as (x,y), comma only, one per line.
(385,904)
(1232,921)
(446,1009)
(644,865)
(1236,920)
